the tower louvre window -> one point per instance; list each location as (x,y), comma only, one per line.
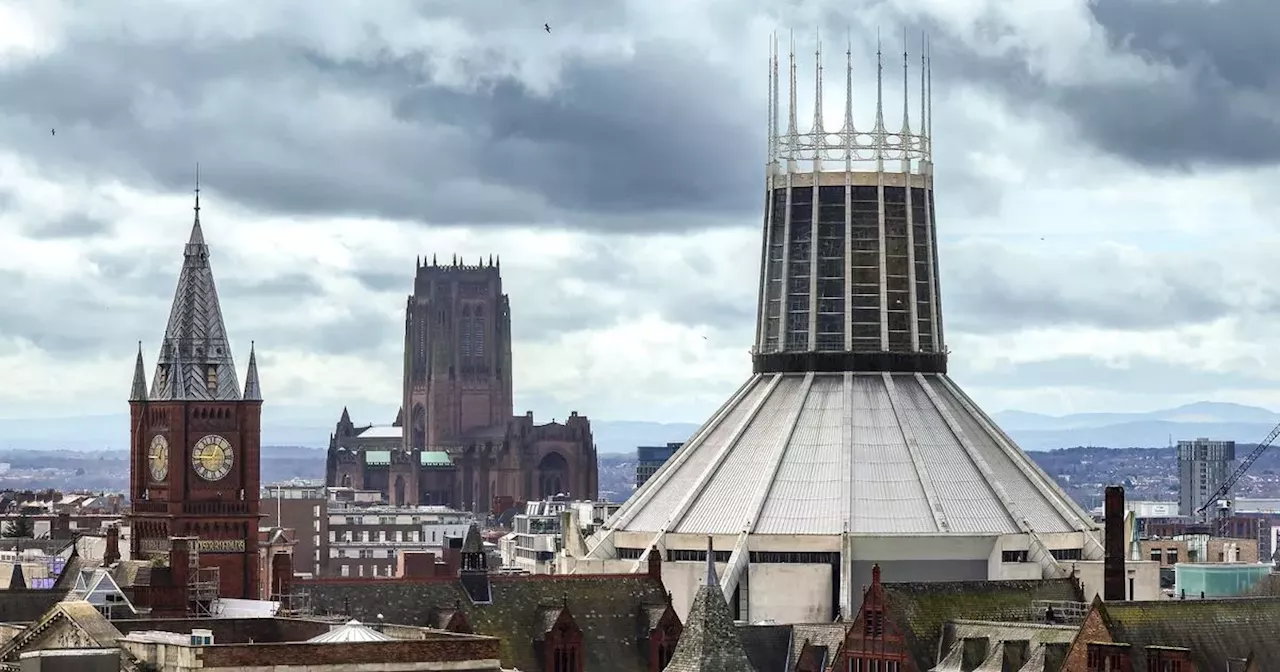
(478,333)
(465,340)
(211,377)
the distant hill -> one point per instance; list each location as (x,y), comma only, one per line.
(1217,420)
(284,428)
(1033,431)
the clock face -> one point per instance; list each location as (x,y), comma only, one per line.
(212,457)
(158,458)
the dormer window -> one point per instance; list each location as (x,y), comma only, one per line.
(211,375)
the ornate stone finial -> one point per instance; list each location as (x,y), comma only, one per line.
(712,579)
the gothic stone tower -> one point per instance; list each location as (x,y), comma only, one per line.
(457,369)
(195,437)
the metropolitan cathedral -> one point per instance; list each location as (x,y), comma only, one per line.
(456,440)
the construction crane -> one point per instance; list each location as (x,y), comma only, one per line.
(1226,486)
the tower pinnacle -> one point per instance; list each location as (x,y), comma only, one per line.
(139,392)
(252,388)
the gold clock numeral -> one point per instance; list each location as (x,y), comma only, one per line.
(212,457)
(158,458)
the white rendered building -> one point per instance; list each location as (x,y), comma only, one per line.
(849,445)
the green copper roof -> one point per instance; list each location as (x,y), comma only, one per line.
(435,458)
(377,457)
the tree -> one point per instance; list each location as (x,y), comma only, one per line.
(21,527)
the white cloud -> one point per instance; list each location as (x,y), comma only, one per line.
(632,325)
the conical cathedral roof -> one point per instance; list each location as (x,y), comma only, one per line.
(866,453)
(849,423)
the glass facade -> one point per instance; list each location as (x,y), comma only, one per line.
(850,269)
(1217,579)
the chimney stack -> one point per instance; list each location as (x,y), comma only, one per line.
(1113,571)
(112,552)
(655,563)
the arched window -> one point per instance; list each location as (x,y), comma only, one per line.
(479,332)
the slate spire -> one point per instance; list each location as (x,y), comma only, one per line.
(710,640)
(252,388)
(195,357)
(139,391)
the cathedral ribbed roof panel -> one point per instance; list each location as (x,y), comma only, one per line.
(870,453)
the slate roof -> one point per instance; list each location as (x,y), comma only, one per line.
(1043,641)
(24,605)
(610,610)
(824,638)
(195,336)
(922,610)
(710,641)
(81,614)
(1213,630)
(766,646)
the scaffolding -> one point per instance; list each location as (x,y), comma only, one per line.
(293,604)
(1059,611)
(202,585)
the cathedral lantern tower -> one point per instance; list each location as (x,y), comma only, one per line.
(195,437)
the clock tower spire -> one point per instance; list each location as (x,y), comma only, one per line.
(195,444)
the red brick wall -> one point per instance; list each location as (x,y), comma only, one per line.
(451,649)
(1092,630)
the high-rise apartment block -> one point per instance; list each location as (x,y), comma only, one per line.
(1203,466)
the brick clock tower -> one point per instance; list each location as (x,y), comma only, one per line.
(195,442)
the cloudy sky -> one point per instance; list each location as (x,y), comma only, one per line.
(1104,177)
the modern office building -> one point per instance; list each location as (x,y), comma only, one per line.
(1203,466)
(649,459)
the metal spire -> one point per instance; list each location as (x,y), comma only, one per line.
(879,132)
(906,96)
(773,100)
(849,130)
(818,133)
(924,120)
(197,191)
(773,119)
(195,357)
(928,70)
(793,130)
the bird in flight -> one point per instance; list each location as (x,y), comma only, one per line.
(53,131)
(547,26)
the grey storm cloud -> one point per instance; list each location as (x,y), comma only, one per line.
(76,226)
(142,287)
(659,132)
(1215,103)
(992,289)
